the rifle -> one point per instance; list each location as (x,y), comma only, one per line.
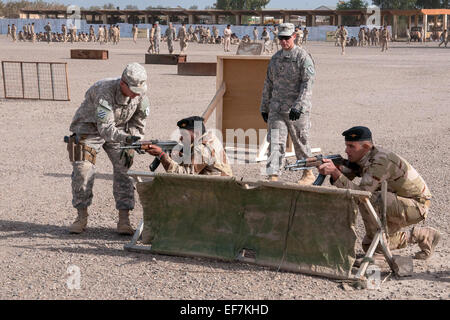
(141,146)
(309,163)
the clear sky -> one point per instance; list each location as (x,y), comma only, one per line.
(142,4)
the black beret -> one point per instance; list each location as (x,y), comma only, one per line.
(358,133)
(188,123)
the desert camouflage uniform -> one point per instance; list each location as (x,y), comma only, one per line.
(275,41)
(134,30)
(151,48)
(104,119)
(207,158)
(342,35)
(384,35)
(288,84)
(408,197)
(182,35)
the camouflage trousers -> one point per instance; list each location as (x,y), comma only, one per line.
(401,212)
(279,126)
(183,44)
(83,176)
(170,45)
(384,45)
(156,45)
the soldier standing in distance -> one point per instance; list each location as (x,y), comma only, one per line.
(113,112)
(342,34)
(286,102)
(408,196)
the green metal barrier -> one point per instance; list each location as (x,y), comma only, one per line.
(305,229)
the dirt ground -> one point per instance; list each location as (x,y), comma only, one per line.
(402,95)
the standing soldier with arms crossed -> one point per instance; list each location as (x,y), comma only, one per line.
(286,103)
(408,197)
(113,112)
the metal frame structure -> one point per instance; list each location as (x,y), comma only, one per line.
(38,78)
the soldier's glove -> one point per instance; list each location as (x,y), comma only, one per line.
(128,154)
(265,116)
(294,114)
(131,139)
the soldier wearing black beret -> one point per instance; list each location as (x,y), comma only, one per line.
(207,154)
(408,197)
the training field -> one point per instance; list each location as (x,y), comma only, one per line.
(402,96)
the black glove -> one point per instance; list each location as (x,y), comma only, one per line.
(128,154)
(131,139)
(294,114)
(265,116)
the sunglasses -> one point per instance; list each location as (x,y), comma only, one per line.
(284,37)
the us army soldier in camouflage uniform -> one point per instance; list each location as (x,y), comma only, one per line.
(157,37)
(207,156)
(286,102)
(408,197)
(170,35)
(113,112)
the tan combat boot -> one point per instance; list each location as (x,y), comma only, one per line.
(80,222)
(124,226)
(307,178)
(273,178)
(427,238)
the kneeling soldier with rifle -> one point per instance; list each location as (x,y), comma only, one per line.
(408,197)
(207,156)
(113,112)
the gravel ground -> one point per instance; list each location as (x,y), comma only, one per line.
(402,95)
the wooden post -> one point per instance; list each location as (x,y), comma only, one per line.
(23,83)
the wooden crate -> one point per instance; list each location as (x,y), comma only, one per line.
(243,77)
(89,54)
(171,59)
(197,68)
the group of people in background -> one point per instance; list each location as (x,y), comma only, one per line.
(103,35)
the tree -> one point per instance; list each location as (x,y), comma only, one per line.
(109,6)
(194,7)
(396,4)
(241,4)
(131,7)
(351,5)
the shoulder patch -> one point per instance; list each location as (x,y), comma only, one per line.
(103,114)
(105,104)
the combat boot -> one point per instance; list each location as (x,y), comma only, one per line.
(124,226)
(427,238)
(80,223)
(273,178)
(307,178)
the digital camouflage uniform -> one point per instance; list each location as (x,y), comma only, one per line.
(157,39)
(104,120)
(207,158)
(170,35)
(48,32)
(288,84)
(408,197)
(342,35)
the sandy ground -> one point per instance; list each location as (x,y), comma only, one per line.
(402,95)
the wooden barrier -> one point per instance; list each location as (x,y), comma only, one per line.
(89,54)
(171,59)
(197,68)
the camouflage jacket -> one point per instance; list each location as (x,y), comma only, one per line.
(289,81)
(106,112)
(379,165)
(207,158)
(343,34)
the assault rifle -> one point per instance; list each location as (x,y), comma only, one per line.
(309,163)
(140,146)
